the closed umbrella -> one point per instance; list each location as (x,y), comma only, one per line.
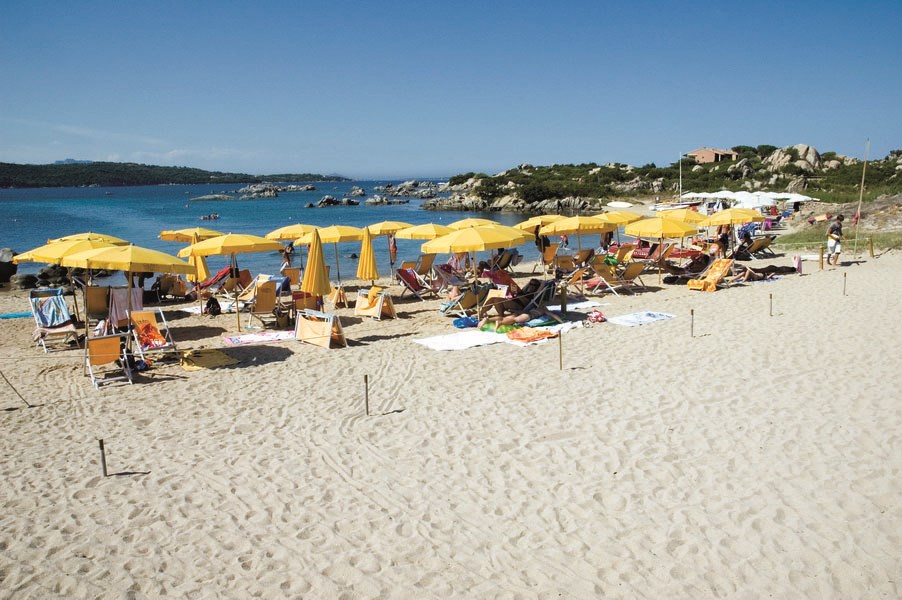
(366,267)
(334,234)
(230,245)
(388,229)
(316,278)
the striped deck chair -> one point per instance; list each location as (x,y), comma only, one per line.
(53,323)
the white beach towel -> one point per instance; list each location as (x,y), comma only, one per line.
(639,318)
(578,305)
(472,338)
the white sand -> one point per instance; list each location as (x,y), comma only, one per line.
(760,458)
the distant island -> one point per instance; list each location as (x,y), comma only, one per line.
(72,173)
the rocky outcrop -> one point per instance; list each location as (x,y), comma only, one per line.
(512,203)
(357,191)
(7,267)
(410,189)
(801,155)
(332,201)
(378,200)
(213,197)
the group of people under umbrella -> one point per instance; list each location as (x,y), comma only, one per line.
(97,251)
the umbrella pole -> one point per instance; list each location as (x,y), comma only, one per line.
(237,311)
(337,266)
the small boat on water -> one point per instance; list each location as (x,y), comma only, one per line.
(210,217)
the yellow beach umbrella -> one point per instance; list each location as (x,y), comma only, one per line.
(366,267)
(333,234)
(192,234)
(538,221)
(231,244)
(579,224)
(686,215)
(90,235)
(620,217)
(474,239)
(55,251)
(660,228)
(316,278)
(732,216)
(471,222)
(290,232)
(387,227)
(426,231)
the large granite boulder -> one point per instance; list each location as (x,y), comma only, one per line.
(7,267)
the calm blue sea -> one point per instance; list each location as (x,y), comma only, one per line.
(28,218)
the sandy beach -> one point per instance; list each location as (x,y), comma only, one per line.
(749,447)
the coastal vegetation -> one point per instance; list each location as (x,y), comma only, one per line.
(79,174)
(827,176)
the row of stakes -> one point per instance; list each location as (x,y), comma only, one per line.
(366,378)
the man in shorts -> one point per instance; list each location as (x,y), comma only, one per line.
(834,241)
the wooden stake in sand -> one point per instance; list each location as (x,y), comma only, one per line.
(366,393)
(560,351)
(871,247)
(102,458)
(691,322)
(821,257)
(844,283)
(771,296)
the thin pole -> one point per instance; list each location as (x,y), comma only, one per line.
(691,322)
(366,393)
(237,311)
(771,296)
(102,458)
(560,351)
(864,170)
(844,283)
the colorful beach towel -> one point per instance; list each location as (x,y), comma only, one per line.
(472,338)
(257,338)
(18,315)
(639,318)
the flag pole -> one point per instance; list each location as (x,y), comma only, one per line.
(864,170)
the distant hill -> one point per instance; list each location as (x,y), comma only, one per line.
(801,168)
(78,173)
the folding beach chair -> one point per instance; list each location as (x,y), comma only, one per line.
(714,276)
(760,248)
(97,304)
(575,281)
(542,296)
(319,328)
(264,304)
(414,284)
(605,279)
(53,323)
(301,300)
(546,259)
(374,302)
(119,305)
(293,274)
(445,278)
(151,332)
(172,286)
(461,306)
(422,266)
(107,351)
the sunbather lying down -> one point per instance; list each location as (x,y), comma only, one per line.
(760,274)
(523,317)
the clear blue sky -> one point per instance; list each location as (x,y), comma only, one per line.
(397,89)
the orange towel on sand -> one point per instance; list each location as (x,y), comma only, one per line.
(528,334)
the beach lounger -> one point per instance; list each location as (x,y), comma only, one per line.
(760,248)
(53,323)
(172,286)
(413,283)
(714,276)
(605,279)
(319,328)
(107,351)
(546,259)
(422,266)
(374,302)
(583,256)
(575,281)
(542,296)
(151,332)
(624,253)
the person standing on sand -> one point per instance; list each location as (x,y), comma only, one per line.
(834,241)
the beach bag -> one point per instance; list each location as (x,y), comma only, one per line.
(596,317)
(213,308)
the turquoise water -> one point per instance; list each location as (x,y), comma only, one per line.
(28,218)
